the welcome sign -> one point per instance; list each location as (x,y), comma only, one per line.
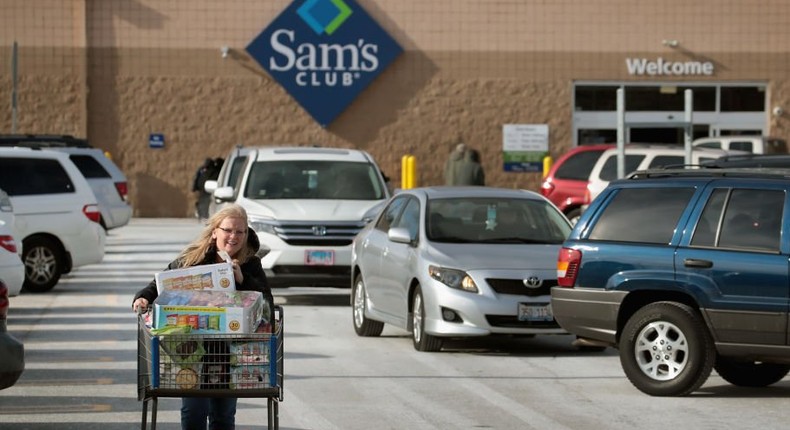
(324,53)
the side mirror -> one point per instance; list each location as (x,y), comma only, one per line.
(209,186)
(224,194)
(399,235)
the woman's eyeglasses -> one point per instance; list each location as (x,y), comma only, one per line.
(230,231)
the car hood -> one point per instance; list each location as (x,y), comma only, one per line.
(309,210)
(488,256)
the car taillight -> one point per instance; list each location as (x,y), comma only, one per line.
(546,188)
(586,200)
(8,243)
(92,212)
(568,267)
(123,189)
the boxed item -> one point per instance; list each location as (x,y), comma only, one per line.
(250,352)
(251,377)
(212,277)
(209,312)
(181,361)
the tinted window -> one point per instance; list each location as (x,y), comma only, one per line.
(235,170)
(578,166)
(89,166)
(390,213)
(748,99)
(752,219)
(609,169)
(647,215)
(666,161)
(33,176)
(742,145)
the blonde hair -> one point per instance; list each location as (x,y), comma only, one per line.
(195,252)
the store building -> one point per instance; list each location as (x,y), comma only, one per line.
(164,84)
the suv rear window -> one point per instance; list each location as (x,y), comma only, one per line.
(89,167)
(579,166)
(33,176)
(647,215)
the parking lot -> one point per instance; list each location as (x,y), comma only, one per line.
(81,366)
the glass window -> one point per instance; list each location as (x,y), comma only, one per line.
(410,219)
(742,99)
(596,98)
(667,161)
(390,213)
(609,169)
(742,145)
(33,176)
(310,179)
(89,166)
(753,219)
(646,215)
(578,166)
(668,98)
(235,170)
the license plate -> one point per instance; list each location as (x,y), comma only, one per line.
(315,257)
(534,312)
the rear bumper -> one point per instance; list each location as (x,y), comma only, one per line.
(588,313)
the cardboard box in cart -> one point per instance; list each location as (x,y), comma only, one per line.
(209,312)
(211,277)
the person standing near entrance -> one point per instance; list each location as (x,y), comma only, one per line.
(451,167)
(469,171)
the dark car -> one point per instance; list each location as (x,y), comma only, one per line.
(684,271)
(565,184)
(12,352)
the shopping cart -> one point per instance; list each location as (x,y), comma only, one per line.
(246,365)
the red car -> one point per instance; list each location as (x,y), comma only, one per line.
(566,183)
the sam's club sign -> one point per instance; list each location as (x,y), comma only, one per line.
(324,53)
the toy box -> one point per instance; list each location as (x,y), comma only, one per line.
(209,312)
(212,277)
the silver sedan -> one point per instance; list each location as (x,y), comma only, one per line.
(448,262)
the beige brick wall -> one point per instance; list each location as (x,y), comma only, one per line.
(117,70)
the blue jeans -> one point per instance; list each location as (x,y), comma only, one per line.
(220,412)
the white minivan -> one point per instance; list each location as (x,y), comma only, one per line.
(56,214)
(306,204)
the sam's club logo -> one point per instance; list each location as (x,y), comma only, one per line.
(324,53)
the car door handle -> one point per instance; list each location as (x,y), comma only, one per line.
(700,264)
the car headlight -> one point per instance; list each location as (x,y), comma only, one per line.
(453,278)
(262,226)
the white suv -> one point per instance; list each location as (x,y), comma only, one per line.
(306,205)
(643,157)
(56,214)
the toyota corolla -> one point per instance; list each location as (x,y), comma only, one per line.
(449,262)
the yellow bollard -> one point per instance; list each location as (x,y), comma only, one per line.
(404,182)
(411,167)
(547,162)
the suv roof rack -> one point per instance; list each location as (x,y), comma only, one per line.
(746,172)
(43,140)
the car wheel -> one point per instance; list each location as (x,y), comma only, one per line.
(666,349)
(750,373)
(573,215)
(362,325)
(422,341)
(43,264)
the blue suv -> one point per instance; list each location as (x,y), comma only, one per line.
(683,271)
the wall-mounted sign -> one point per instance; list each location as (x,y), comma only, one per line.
(524,146)
(156,140)
(643,66)
(324,53)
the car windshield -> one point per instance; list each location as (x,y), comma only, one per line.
(495,220)
(308,179)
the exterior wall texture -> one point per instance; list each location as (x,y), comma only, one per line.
(117,70)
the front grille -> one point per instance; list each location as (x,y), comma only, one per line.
(310,233)
(508,321)
(517,287)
